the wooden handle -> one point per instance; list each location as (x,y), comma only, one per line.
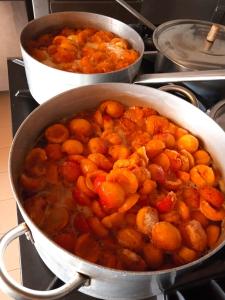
(212,34)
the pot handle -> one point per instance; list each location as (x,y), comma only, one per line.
(16,290)
(184,91)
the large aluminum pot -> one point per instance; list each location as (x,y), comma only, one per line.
(101,282)
(45,82)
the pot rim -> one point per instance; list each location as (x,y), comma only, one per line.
(23,48)
(98,267)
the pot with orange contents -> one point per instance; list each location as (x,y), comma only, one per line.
(101,199)
(69,49)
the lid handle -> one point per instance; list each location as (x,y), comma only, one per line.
(213,32)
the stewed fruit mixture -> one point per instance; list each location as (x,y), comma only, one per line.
(83,50)
(124,187)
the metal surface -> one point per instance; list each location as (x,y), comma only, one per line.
(209,75)
(19,62)
(141,18)
(210,91)
(19,292)
(217,112)
(108,8)
(40,8)
(160,11)
(219,12)
(182,90)
(105,282)
(184,42)
(212,10)
(45,82)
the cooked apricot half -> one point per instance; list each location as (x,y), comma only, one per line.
(125,178)
(132,260)
(212,195)
(146,218)
(112,108)
(71,146)
(153,256)
(213,233)
(57,133)
(166,236)
(202,175)
(188,142)
(195,235)
(186,255)
(210,212)
(202,157)
(80,127)
(111,195)
(87,247)
(130,238)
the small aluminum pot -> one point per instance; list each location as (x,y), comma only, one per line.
(45,82)
(96,280)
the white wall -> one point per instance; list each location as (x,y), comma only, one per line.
(12,20)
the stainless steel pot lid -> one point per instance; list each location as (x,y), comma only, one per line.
(185,43)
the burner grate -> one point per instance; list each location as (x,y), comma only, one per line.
(210,290)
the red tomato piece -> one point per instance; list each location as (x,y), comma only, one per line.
(167,203)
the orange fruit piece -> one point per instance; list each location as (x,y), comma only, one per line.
(188,142)
(154,257)
(132,260)
(87,247)
(212,195)
(54,151)
(114,220)
(130,238)
(202,157)
(66,241)
(210,212)
(146,218)
(166,236)
(57,133)
(195,236)
(80,127)
(97,227)
(125,178)
(112,195)
(72,146)
(202,175)
(56,218)
(113,108)
(213,233)
(129,202)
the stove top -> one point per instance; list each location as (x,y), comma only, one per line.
(207,281)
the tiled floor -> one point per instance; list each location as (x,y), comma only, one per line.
(8,218)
